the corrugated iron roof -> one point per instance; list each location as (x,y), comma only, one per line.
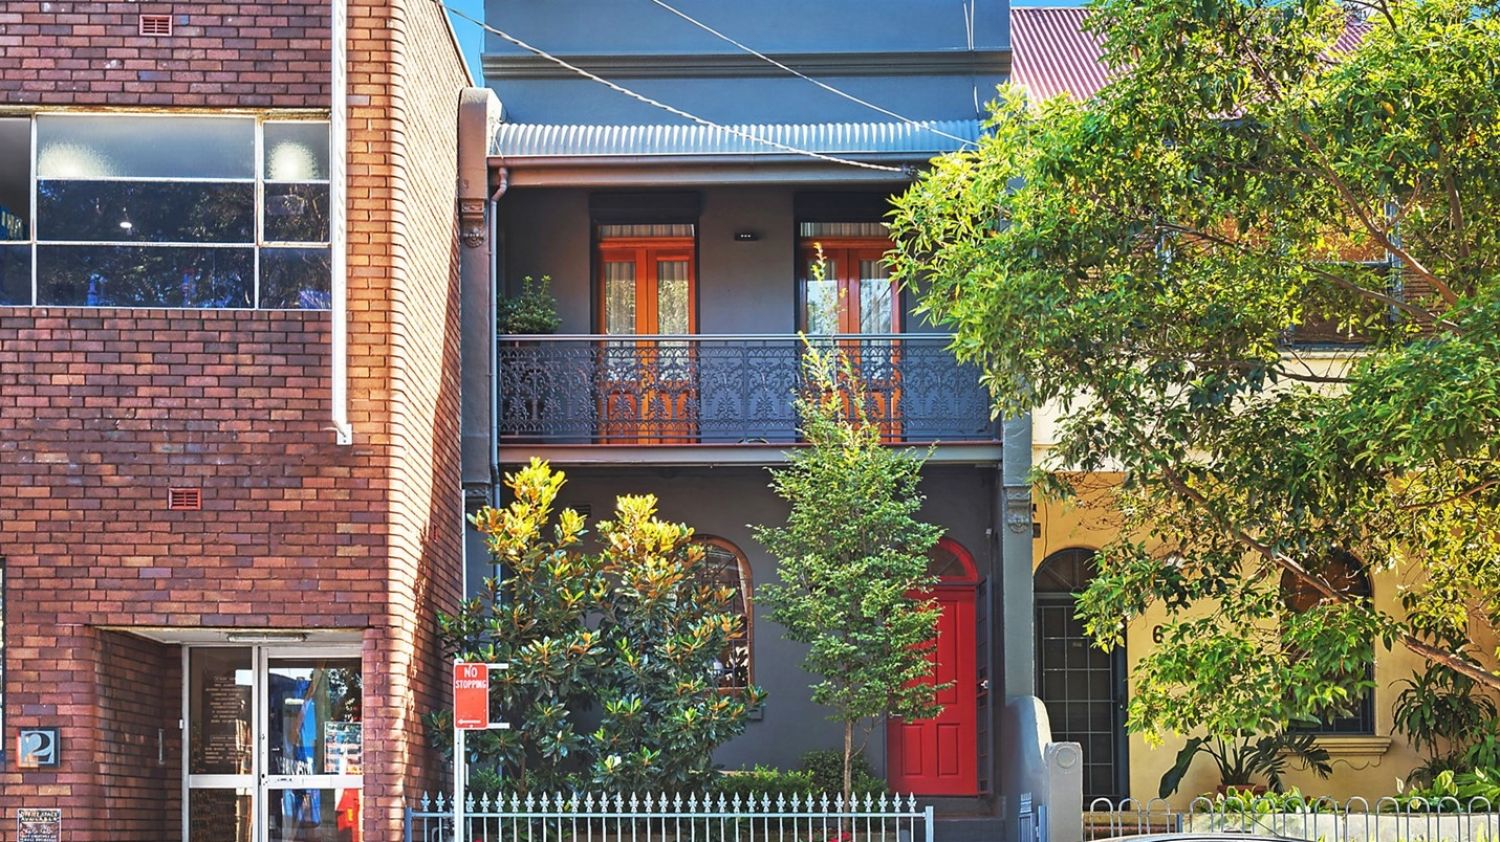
(536,140)
(1053,55)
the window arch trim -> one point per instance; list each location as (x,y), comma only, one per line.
(747,598)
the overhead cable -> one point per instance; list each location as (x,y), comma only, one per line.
(505,36)
(921,124)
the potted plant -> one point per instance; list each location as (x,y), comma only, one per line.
(534,311)
(1248,762)
(523,365)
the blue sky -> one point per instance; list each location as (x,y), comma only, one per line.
(471,37)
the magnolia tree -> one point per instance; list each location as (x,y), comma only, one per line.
(1147,261)
(851,558)
(625,638)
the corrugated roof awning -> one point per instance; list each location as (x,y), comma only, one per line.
(517,142)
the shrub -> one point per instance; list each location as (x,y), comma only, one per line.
(631,631)
(533,311)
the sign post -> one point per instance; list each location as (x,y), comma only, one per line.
(471,712)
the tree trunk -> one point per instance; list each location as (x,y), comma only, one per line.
(848,762)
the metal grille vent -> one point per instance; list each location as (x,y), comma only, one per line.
(184,499)
(156,25)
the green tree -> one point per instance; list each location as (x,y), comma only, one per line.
(1147,261)
(849,558)
(631,632)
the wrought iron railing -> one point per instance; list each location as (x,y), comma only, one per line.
(672,818)
(717,389)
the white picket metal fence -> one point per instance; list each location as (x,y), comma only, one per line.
(620,817)
(1309,819)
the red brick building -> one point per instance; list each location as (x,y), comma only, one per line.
(229,414)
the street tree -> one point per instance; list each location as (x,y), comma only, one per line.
(852,559)
(1152,263)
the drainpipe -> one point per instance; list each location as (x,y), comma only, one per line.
(338,196)
(478,114)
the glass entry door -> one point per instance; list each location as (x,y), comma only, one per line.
(649,386)
(847,292)
(274,744)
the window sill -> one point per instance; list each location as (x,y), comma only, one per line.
(1353,745)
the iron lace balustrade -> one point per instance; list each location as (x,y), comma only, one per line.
(725,389)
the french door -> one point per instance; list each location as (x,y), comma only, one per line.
(847,291)
(649,390)
(273,744)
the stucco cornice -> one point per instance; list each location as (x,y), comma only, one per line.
(499,66)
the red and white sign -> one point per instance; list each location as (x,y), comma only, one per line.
(471,697)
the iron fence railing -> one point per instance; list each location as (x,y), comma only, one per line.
(716,389)
(1311,819)
(675,818)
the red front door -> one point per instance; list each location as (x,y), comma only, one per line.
(939,756)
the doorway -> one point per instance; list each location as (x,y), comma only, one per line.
(940,756)
(847,292)
(272,744)
(1082,686)
(648,288)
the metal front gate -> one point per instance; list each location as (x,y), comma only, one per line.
(1082,686)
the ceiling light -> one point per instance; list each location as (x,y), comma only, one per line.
(266,637)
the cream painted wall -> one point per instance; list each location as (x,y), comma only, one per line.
(1363,766)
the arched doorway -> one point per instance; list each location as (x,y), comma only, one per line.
(940,756)
(1082,686)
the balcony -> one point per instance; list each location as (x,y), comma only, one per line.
(572,394)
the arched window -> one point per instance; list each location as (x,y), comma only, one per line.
(724,564)
(1344,572)
(951,563)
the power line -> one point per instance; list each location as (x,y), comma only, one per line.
(799,74)
(662,105)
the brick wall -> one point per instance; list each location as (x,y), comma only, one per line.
(271,53)
(103,410)
(413,139)
(140,748)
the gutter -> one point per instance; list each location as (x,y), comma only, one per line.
(338,195)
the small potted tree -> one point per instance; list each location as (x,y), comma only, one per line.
(532,312)
(523,365)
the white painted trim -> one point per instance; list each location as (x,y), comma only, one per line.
(338,201)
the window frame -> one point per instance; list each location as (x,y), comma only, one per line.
(1361,721)
(747,590)
(257,180)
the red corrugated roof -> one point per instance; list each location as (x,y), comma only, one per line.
(1051,54)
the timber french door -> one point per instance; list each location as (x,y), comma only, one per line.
(847,291)
(273,744)
(648,287)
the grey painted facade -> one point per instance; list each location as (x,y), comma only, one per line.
(743,287)
(726,502)
(925,59)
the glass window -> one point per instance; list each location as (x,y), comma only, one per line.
(296,176)
(15,211)
(144,276)
(295,279)
(724,565)
(1344,572)
(146,211)
(164,211)
(116,146)
(296,151)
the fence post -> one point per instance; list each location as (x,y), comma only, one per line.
(927,820)
(1063,763)
(406,825)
